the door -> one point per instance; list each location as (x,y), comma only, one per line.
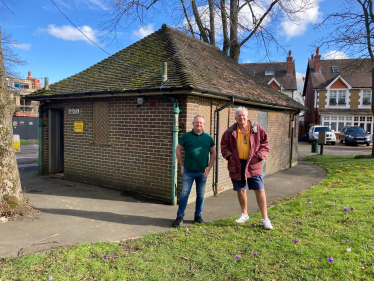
(56,141)
(263,121)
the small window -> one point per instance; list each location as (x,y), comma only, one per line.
(252,71)
(335,69)
(269,72)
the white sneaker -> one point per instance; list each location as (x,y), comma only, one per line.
(267,224)
(242,218)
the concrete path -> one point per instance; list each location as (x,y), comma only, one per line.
(81,213)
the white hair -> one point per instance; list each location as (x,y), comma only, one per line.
(241,108)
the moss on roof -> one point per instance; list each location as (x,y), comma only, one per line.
(191,63)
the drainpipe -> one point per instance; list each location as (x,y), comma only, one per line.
(176,112)
(215,185)
(40,132)
(293,125)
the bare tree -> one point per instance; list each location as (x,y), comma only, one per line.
(237,20)
(11,59)
(10,185)
(352,32)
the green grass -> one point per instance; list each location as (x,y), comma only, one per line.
(28,141)
(209,252)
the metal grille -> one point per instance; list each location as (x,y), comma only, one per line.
(100,122)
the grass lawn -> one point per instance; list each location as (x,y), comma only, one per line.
(332,220)
(28,141)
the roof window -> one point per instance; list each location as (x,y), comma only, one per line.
(335,69)
(252,71)
(269,72)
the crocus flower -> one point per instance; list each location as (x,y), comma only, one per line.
(356,186)
(104,256)
(254,225)
(340,206)
(363,196)
(295,240)
(281,207)
(349,249)
(310,202)
(331,259)
(297,223)
(335,200)
(362,267)
(166,232)
(237,256)
(333,204)
(255,254)
(361,199)
(203,231)
(367,188)
(50,278)
(133,269)
(186,229)
(346,241)
(352,209)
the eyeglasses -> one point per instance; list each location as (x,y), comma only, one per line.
(245,139)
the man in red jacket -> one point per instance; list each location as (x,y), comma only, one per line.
(245,145)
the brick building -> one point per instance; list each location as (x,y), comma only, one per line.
(279,75)
(112,124)
(338,93)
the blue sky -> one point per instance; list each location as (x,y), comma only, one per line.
(53,48)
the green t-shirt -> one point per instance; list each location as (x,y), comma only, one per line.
(196,149)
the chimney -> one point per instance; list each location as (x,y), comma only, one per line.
(312,56)
(317,62)
(29,77)
(289,63)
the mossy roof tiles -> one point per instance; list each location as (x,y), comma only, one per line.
(191,64)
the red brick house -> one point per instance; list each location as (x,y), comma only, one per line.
(279,75)
(112,124)
(338,93)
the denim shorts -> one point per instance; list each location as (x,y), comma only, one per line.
(253,183)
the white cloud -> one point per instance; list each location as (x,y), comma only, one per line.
(22,46)
(70,33)
(244,17)
(90,4)
(299,23)
(143,31)
(334,55)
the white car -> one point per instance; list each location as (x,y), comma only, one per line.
(314,132)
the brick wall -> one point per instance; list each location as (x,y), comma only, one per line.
(137,156)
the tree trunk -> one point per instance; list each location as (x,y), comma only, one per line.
(198,21)
(234,46)
(10,185)
(226,40)
(212,27)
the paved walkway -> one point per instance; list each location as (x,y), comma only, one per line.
(81,213)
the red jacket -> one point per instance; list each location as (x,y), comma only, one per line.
(259,150)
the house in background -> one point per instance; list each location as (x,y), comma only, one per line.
(115,124)
(338,93)
(279,75)
(18,89)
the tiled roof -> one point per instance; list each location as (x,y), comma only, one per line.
(288,82)
(355,71)
(191,64)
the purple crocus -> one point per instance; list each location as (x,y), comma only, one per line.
(340,206)
(331,259)
(335,200)
(166,232)
(295,240)
(203,231)
(333,204)
(186,229)
(356,186)
(352,209)
(310,202)
(367,188)
(133,269)
(255,254)
(104,256)
(237,256)
(361,199)
(50,278)
(363,196)
(254,225)
(297,223)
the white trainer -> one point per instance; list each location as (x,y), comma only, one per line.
(242,218)
(267,224)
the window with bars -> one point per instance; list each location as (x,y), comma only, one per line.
(337,97)
(100,122)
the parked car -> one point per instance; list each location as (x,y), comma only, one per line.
(354,135)
(314,133)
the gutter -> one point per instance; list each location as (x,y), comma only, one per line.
(40,137)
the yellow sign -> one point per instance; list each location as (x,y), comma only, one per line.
(78,126)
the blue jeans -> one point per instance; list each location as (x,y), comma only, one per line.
(187,180)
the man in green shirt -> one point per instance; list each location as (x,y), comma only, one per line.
(196,167)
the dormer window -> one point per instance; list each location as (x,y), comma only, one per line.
(335,69)
(252,71)
(269,72)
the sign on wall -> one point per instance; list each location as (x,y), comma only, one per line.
(78,126)
(15,123)
(73,110)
